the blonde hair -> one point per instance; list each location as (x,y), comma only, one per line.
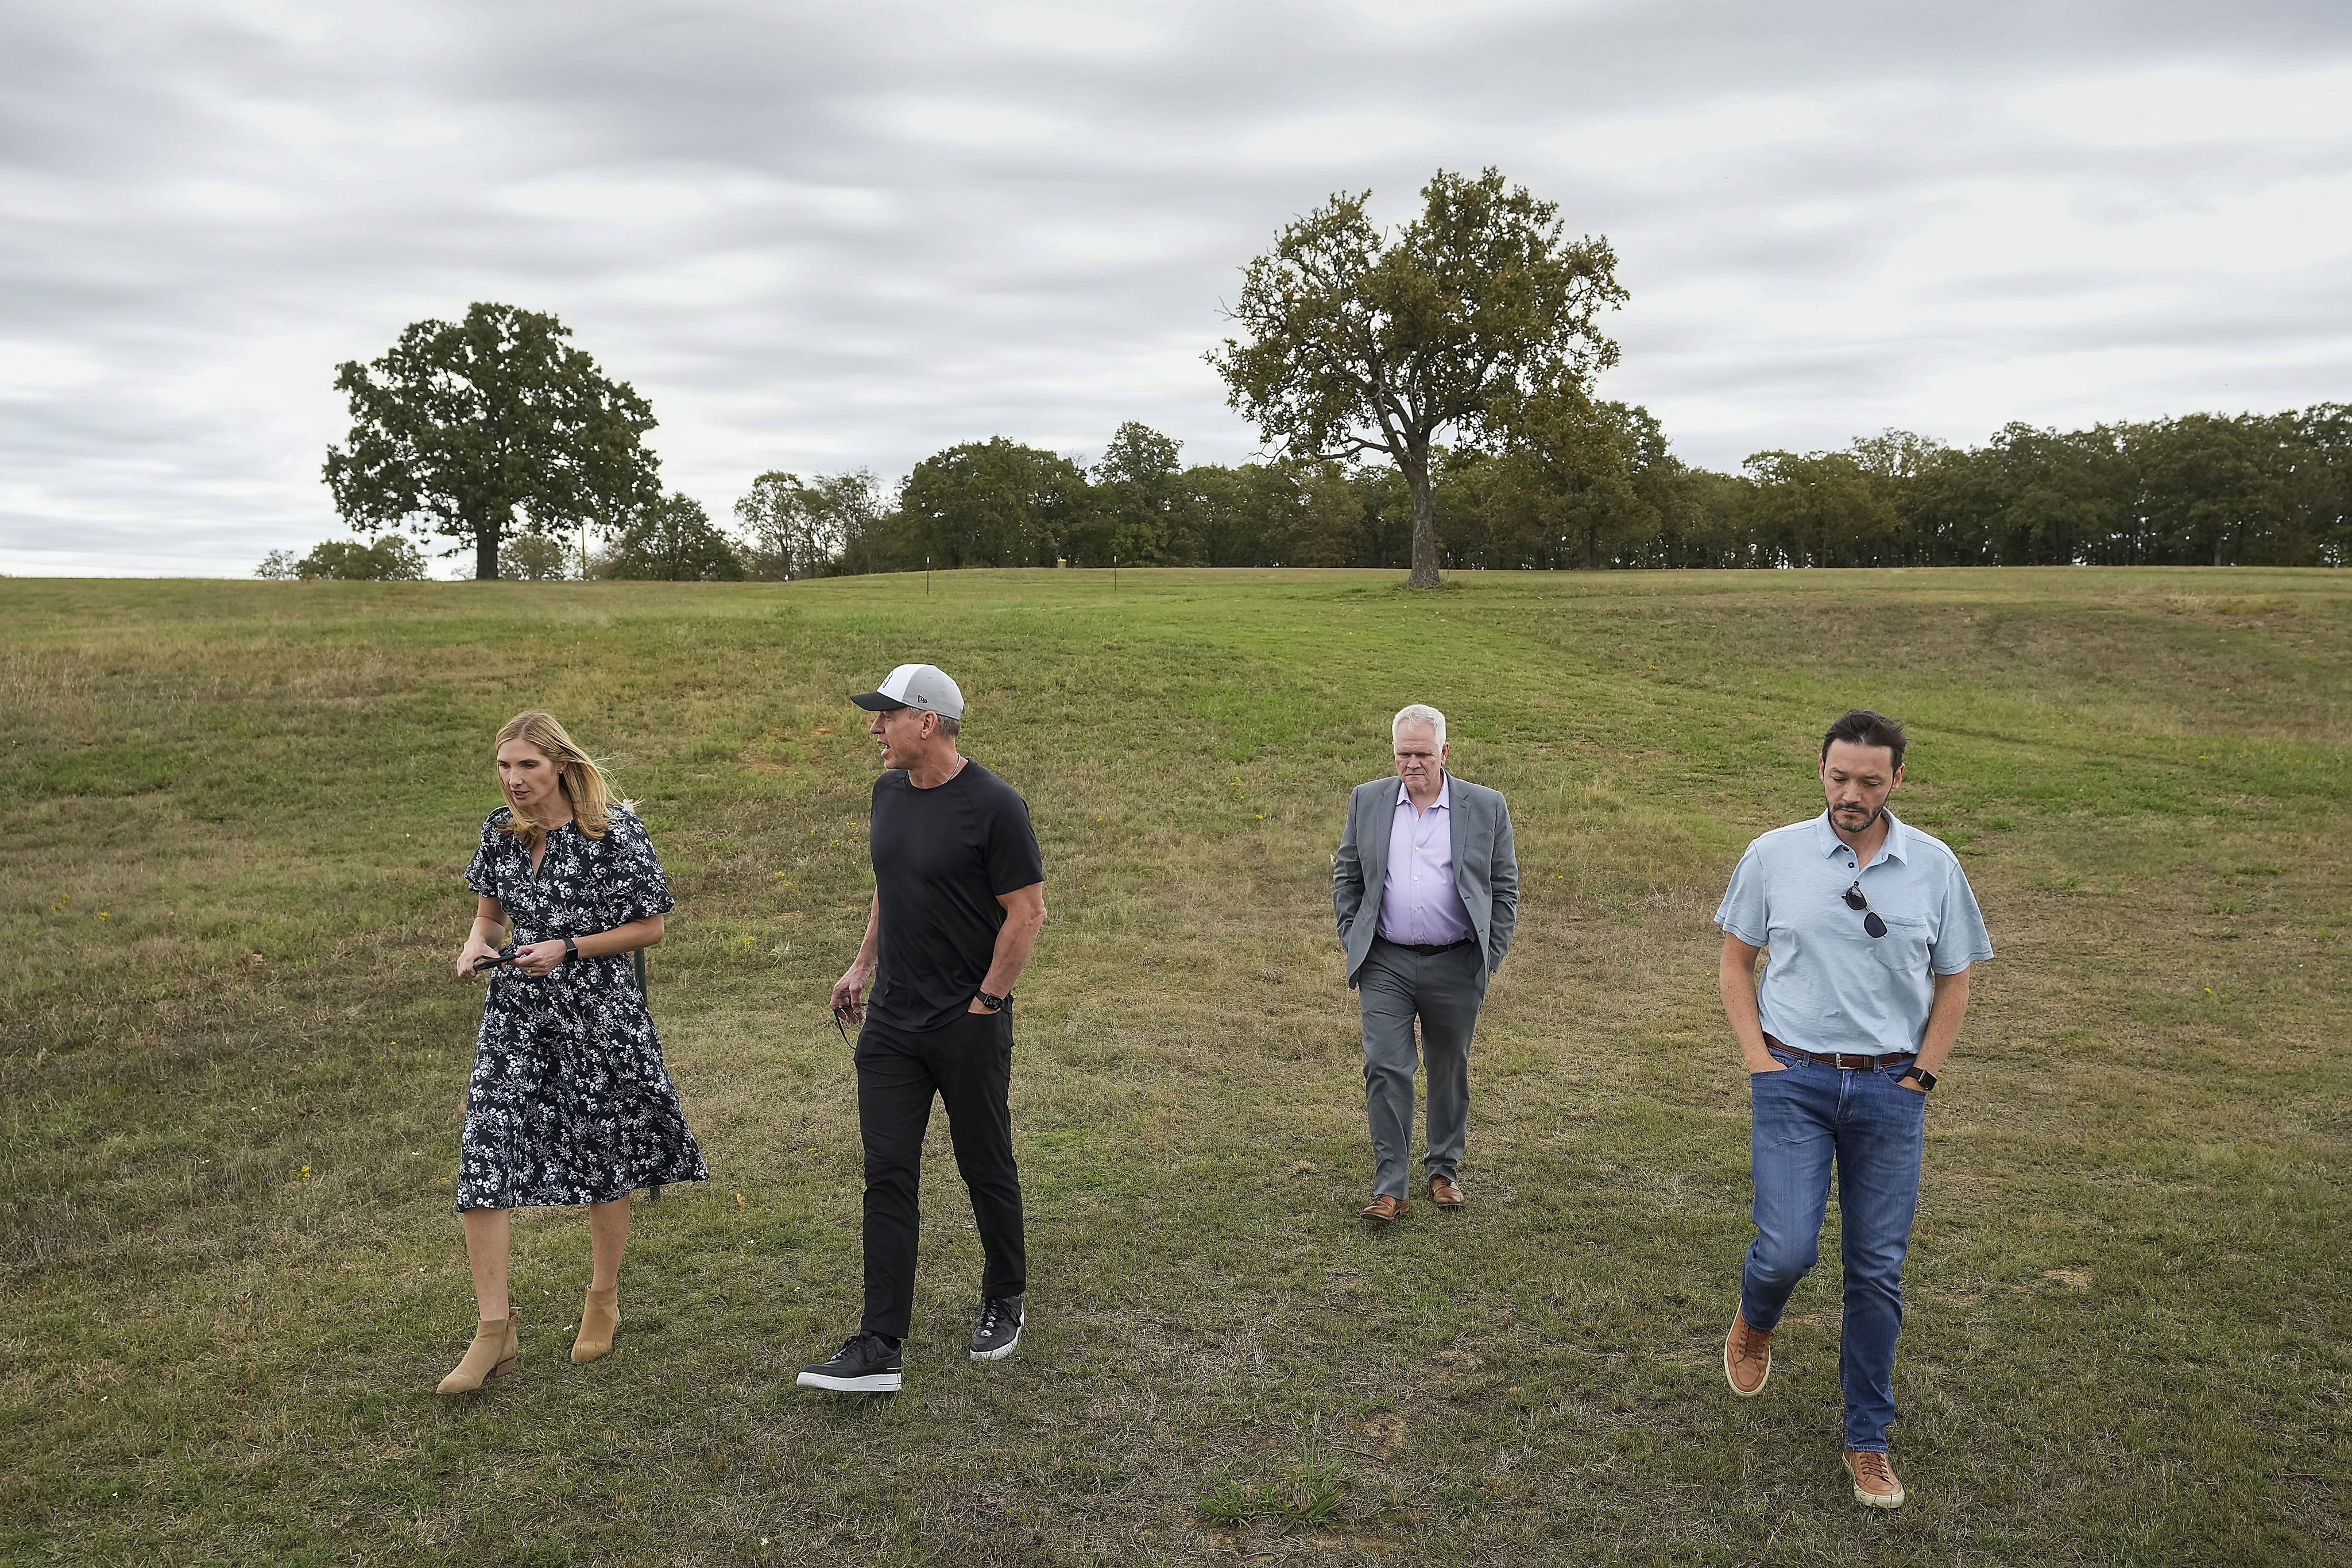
(575,772)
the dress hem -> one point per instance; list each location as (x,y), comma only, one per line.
(584,1202)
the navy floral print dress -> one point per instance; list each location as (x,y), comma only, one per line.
(569,1102)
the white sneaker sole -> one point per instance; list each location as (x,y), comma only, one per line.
(1874,1500)
(872,1382)
(1010,1347)
(1745,1392)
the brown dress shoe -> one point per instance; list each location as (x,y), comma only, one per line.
(1385,1208)
(1875,1484)
(1747,1357)
(1445,1194)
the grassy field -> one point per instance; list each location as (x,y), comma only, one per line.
(232,1067)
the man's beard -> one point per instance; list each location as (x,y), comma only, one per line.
(1867,822)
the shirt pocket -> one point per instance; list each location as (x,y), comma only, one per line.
(1904,949)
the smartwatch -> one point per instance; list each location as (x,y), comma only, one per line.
(1926,1080)
(994,1004)
(571,949)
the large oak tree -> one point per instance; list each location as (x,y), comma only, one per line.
(1360,342)
(479,427)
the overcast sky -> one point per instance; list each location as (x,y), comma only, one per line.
(821,237)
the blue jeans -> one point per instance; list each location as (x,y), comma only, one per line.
(1805,1117)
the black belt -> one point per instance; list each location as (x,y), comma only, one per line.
(1850,1060)
(1430,950)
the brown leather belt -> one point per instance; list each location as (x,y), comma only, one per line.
(1846,1059)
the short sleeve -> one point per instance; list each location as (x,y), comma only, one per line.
(635,887)
(1743,913)
(482,874)
(1962,938)
(1013,859)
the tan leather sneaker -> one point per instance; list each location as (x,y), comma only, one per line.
(1747,1357)
(1874,1484)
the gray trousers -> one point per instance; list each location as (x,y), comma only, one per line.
(1444,991)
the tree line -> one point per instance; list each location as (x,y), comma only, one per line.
(2201,489)
(2197,490)
(1462,349)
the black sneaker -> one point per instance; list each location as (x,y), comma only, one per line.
(866,1364)
(999,1330)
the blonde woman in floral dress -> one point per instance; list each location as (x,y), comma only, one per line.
(569,1102)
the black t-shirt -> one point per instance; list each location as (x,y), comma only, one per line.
(942,856)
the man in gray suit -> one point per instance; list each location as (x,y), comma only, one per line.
(1426,887)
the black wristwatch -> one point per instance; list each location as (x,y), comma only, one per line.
(1927,1079)
(571,949)
(994,1004)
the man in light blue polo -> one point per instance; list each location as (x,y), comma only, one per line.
(1872,928)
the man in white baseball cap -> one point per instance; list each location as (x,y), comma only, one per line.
(925,689)
(959,897)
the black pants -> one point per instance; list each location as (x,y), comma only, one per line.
(968,1065)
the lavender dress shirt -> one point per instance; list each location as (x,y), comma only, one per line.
(1419,903)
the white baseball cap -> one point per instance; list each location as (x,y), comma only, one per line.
(924,686)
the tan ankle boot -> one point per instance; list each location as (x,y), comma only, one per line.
(598,1319)
(492,1355)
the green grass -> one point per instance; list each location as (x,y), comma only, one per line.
(229,890)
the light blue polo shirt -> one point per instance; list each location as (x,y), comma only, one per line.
(1829,984)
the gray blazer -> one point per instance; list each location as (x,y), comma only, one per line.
(1486,866)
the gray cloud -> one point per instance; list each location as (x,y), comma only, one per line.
(818,238)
